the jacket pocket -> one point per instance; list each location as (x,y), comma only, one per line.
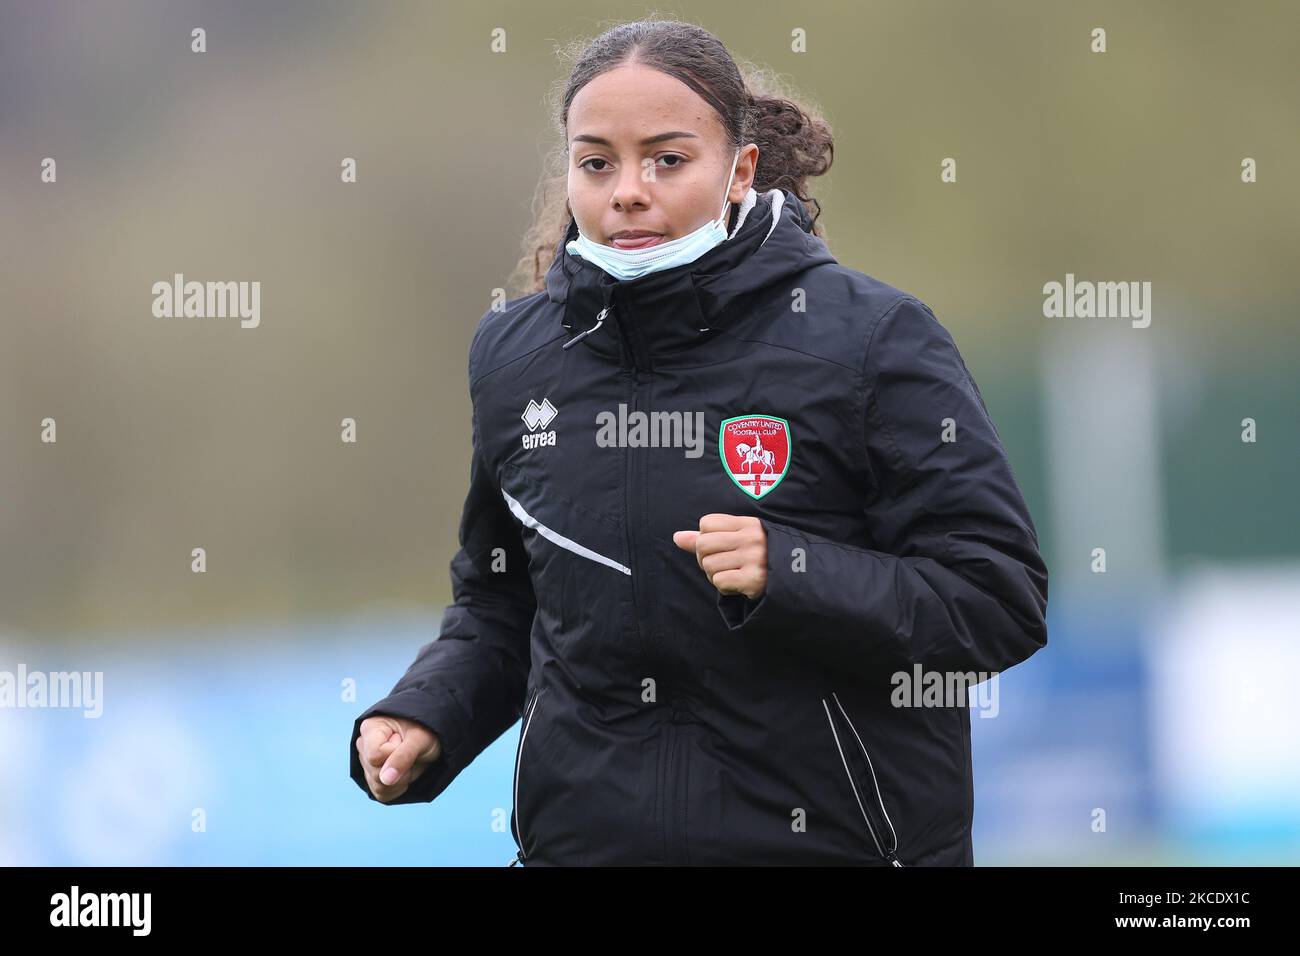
(515,815)
(861,775)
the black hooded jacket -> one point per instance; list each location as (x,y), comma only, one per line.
(662,721)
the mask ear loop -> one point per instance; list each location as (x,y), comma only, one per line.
(726,205)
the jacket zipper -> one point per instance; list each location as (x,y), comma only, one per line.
(668,792)
(634,508)
(632,512)
(520,856)
(864,800)
(677,851)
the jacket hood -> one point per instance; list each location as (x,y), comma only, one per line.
(675,307)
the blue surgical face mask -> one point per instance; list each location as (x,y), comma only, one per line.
(624,264)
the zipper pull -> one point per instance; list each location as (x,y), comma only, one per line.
(582,335)
(519,857)
(893,859)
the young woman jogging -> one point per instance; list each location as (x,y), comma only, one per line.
(728,497)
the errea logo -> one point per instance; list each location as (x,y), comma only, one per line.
(539,416)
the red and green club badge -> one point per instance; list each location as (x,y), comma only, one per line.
(755,451)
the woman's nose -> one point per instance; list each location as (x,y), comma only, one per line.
(633,187)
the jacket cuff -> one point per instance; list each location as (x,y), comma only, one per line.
(438,715)
(777,607)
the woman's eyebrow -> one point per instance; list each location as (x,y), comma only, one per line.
(675,134)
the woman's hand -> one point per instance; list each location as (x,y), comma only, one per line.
(731,550)
(394,752)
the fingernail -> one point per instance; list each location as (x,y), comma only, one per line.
(387,776)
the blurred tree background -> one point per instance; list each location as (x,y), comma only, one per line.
(183,433)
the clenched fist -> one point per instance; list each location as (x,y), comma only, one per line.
(394,752)
(731,550)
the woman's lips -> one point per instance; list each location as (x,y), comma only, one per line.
(636,242)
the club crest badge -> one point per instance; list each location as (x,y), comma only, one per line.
(755,451)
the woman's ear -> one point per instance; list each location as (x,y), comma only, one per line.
(746,171)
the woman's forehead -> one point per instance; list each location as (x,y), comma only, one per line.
(634,102)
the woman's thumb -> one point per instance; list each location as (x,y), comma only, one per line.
(398,763)
(414,747)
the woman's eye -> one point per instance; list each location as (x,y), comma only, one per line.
(604,164)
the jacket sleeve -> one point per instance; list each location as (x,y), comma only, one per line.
(468,685)
(955,581)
